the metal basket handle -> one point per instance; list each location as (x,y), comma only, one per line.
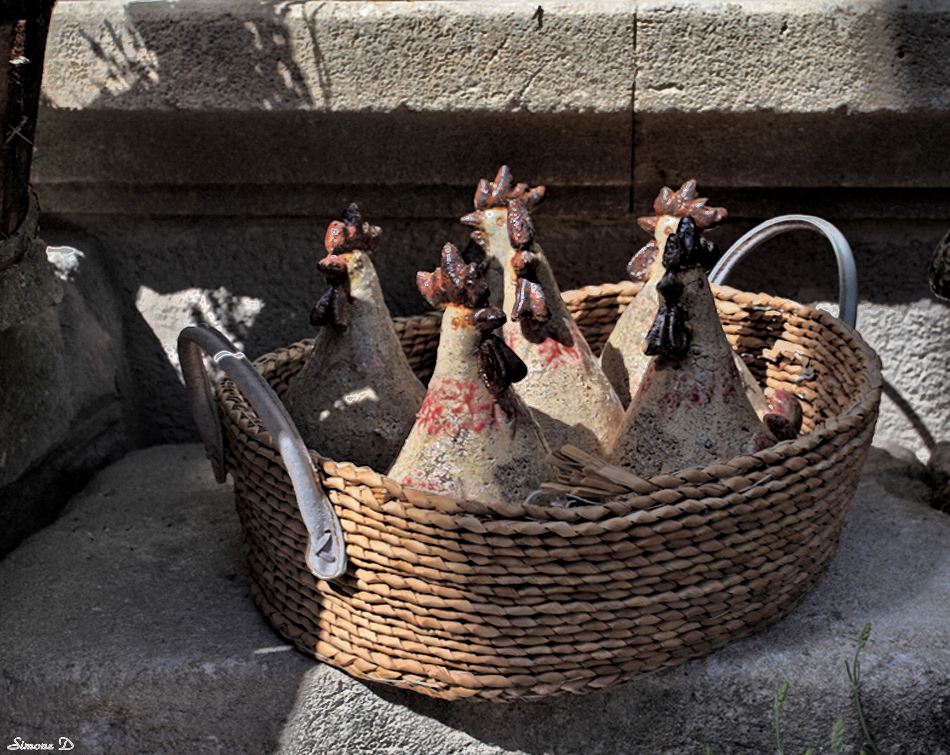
(326,554)
(847,273)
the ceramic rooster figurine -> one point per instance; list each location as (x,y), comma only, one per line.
(623,358)
(569,395)
(689,405)
(473,437)
(356,397)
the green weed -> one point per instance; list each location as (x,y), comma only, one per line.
(854,676)
(837,730)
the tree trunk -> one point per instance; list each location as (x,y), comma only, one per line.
(24,26)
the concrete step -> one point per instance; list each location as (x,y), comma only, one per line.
(126,626)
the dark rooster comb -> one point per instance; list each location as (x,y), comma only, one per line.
(453,282)
(461,284)
(351,233)
(497,193)
(681,204)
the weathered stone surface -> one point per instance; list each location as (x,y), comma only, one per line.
(342,56)
(130,617)
(62,380)
(752,55)
(745,56)
(292,164)
(28,287)
(127,627)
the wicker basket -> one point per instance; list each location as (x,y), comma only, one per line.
(457,599)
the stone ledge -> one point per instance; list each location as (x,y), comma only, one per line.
(792,56)
(127,627)
(785,56)
(341,56)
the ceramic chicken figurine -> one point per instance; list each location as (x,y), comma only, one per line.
(490,246)
(570,397)
(689,406)
(473,438)
(624,360)
(356,397)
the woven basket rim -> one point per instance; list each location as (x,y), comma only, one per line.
(731,472)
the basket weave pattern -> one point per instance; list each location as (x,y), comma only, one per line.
(461,598)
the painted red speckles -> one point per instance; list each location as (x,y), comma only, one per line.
(645,380)
(435,483)
(555,355)
(730,390)
(452,406)
(555,347)
(698,394)
(687,389)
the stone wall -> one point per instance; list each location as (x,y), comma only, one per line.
(193,152)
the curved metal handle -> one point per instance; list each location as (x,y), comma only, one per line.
(326,554)
(847,273)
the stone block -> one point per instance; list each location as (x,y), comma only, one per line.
(62,376)
(127,627)
(792,57)
(342,56)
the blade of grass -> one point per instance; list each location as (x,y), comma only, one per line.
(777,702)
(837,736)
(854,676)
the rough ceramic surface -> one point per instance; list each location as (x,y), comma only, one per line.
(356,397)
(569,395)
(473,438)
(624,358)
(691,412)
(466,442)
